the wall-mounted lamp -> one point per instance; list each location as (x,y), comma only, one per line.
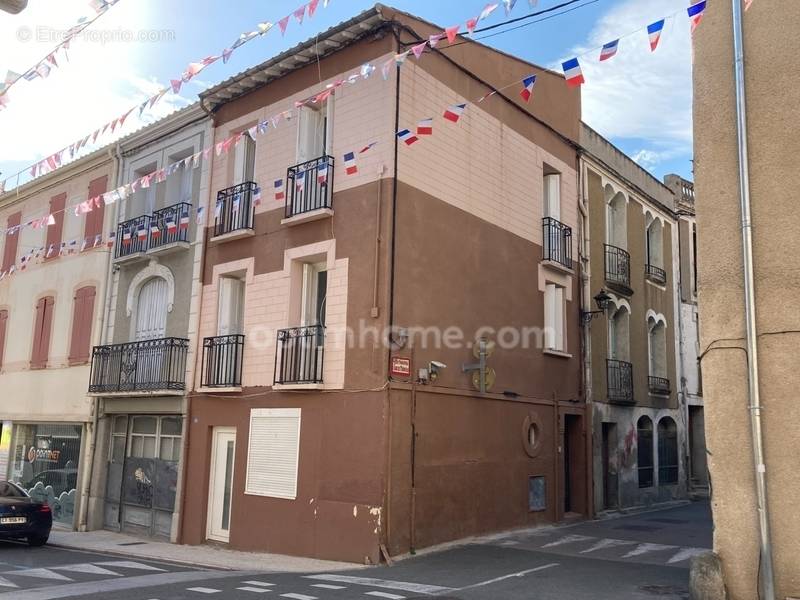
(602,300)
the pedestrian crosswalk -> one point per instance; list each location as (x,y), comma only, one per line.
(24,577)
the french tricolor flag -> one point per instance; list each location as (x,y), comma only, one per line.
(141,232)
(171,224)
(695,12)
(425,127)
(572,72)
(350,166)
(279,192)
(407,137)
(184,222)
(154,230)
(257,196)
(608,50)
(322,173)
(527,88)
(654,33)
(453,113)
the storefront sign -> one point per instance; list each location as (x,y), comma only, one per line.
(401,366)
(43,454)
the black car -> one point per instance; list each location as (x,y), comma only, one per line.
(22,517)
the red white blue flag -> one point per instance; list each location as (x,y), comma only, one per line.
(608,50)
(367,147)
(154,230)
(184,223)
(141,232)
(654,31)
(407,137)
(279,193)
(300,181)
(171,224)
(257,196)
(322,173)
(695,12)
(527,88)
(350,166)
(573,72)
(453,113)
(425,127)
(199,217)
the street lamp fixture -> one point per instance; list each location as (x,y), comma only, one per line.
(602,300)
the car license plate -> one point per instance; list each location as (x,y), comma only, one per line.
(12,520)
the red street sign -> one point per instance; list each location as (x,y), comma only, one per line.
(401,367)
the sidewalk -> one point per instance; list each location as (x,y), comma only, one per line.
(209,557)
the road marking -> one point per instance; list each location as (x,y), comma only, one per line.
(86,568)
(255,590)
(569,539)
(41,574)
(129,564)
(509,576)
(686,553)
(645,548)
(203,590)
(509,543)
(406,586)
(299,596)
(328,586)
(385,595)
(607,543)
(262,583)
(6,583)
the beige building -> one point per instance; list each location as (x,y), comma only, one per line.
(770,50)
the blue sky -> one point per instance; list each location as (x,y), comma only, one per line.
(640,100)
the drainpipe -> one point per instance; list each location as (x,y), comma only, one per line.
(767,581)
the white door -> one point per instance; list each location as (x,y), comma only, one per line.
(230,312)
(151,310)
(244,160)
(552,196)
(220,483)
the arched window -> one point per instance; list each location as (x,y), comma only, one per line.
(151,310)
(658,380)
(655,242)
(616,218)
(644,433)
(619,333)
(667,452)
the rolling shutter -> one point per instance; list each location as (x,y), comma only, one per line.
(273,452)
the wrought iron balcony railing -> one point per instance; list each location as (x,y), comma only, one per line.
(139,366)
(299,355)
(309,186)
(556,242)
(618,267)
(658,385)
(132,237)
(655,274)
(233,210)
(222,361)
(620,381)
(169,225)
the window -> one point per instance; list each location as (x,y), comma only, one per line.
(10,250)
(667,452)
(654,243)
(657,346)
(54,231)
(82,317)
(554,309)
(244,160)
(552,195)
(230,308)
(314,131)
(616,219)
(619,333)
(186,182)
(93,225)
(273,452)
(143,437)
(151,310)
(644,433)
(3,330)
(41,333)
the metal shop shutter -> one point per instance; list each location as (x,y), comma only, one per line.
(273,452)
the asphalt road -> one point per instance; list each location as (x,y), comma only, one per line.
(642,557)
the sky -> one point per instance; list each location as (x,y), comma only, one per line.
(640,100)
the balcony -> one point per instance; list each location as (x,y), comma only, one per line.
(618,269)
(309,195)
(234,212)
(222,362)
(136,367)
(167,229)
(556,242)
(620,381)
(132,238)
(655,274)
(658,386)
(299,356)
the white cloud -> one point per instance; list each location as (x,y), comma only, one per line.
(98,83)
(641,94)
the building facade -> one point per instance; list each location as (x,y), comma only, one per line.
(769,47)
(327,400)
(52,284)
(639,454)
(140,371)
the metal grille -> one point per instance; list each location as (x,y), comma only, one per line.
(234,208)
(172,223)
(655,274)
(618,266)
(300,353)
(620,381)
(132,236)
(309,186)
(556,242)
(222,361)
(658,385)
(138,366)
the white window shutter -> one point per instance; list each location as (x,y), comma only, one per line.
(552,196)
(549,315)
(273,452)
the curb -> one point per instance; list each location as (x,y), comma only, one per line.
(123,554)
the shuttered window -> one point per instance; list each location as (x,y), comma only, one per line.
(82,316)
(10,250)
(41,332)
(273,452)
(54,231)
(93,225)
(3,329)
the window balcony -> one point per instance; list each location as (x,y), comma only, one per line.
(618,269)
(658,386)
(620,381)
(132,238)
(234,214)
(556,242)
(133,368)
(309,195)
(655,274)
(169,228)
(222,362)
(299,356)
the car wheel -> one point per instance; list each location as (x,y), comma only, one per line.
(37,540)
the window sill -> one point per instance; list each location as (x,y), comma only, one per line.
(219,390)
(557,266)
(297,386)
(661,395)
(308,217)
(130,258)
(233,235)
(558,353)
(656,284)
